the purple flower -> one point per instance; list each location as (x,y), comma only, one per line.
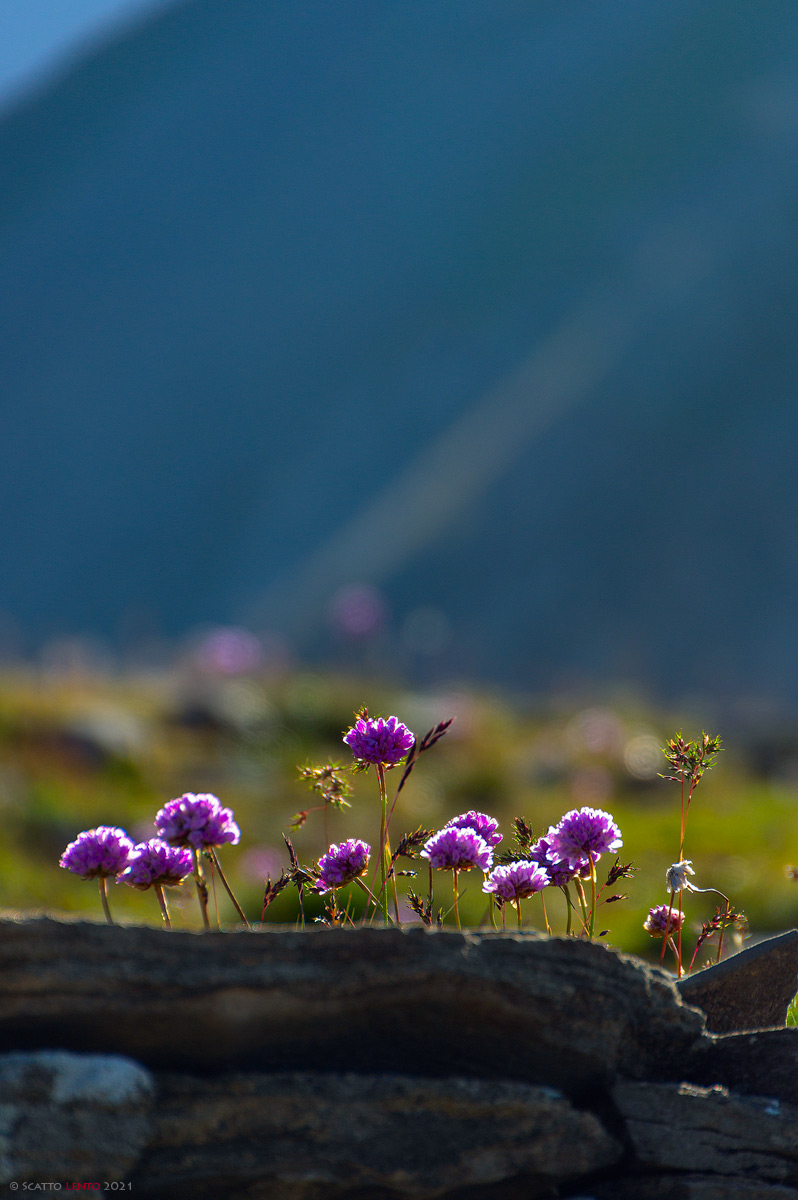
(584,833)
(516,880)
(379,741)
(196,821)
(341,864)
(156,862)
(560,871)
(453,849)
(103,851)
(481,823)
(657,920)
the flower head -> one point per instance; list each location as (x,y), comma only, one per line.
(559,870)
(658,920)
(375,740)
(481,823)
(516,880)
(103,851)
(676,876)
(584,833)
(453,849)
(156,862)
(196,821)
(341,864)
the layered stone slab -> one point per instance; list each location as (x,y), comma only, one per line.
(317,1136)
(560,1012)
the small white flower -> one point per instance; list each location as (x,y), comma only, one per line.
(676,876)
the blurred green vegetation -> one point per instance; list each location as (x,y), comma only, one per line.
(76,752)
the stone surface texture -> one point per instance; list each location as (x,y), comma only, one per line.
(683,1127)
(372,1064)
(72,1116)
(558,1011)
(750,990)
(289,1131)
(757,1064)
(688,1187)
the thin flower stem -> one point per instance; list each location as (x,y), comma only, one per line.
(518,911)
(202,888)
(681,827)
(389,817)
(372,898)
(383,839)
(396,797)
(679,937)
(390,878)
(592,893)
(545,916)
(226,885)
(215,898)
(580,891)
(393,881)
(456,909)
(103,882)
(385,864)
(568,907)
(159,892)
(720,941)
(689,798)
(666,934)
(492,910)
(695,955)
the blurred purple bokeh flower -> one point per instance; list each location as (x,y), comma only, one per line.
(229,651)
(260,861)
(516,880)
(103,851)
(453,849)
(358,611)
(379,741)
(481,823)
(156,862)
(657,920)
(341,864)
(584,833)
(197,821)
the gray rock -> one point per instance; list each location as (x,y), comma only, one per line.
(750,990)
(311,1135)
(682,1127)
(558,1011)
(690,1187)
(755,1064)
(72,1116)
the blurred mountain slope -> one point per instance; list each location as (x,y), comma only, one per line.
(490,305)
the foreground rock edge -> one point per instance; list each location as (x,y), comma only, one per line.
(560,1012)
(241,1134)
(751,990)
